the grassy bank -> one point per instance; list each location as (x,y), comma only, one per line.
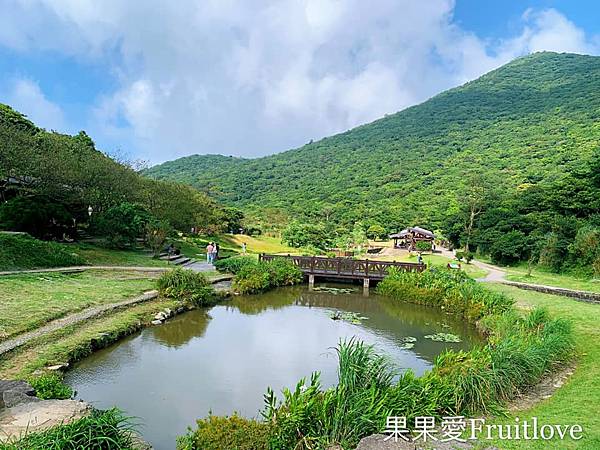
(29,301)
(577,401)
(108,430)
(539,276)
(75,342)
(100,256)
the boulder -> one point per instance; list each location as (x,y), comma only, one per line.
(160,316)
(156,322)
(57,367)
(13,392)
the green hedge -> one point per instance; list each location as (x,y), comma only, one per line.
(519,351)
(21,251)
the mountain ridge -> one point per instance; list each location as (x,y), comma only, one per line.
(524,123)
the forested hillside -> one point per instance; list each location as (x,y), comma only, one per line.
(532,119)
(528,129)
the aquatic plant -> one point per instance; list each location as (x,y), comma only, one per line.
(443,337)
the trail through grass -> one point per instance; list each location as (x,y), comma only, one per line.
(578,401)
(29,301)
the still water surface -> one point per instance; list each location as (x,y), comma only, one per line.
(223,359)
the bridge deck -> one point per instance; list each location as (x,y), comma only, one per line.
(358,269)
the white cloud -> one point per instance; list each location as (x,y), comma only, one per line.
(249,78)
(27,97)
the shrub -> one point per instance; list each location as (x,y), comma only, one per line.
(107,430)
(21,251)
(122,224)
(49,386)
(423,246)
(234,264)
(254,276)
(232,433)
(469,257)
(184,284)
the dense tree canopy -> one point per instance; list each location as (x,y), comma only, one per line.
(48,180)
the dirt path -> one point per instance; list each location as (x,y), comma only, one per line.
(72,319)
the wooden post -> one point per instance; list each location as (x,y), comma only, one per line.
(366,287)
(311,281)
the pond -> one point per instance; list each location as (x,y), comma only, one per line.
(223,359)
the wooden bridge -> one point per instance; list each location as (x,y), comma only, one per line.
(345,268)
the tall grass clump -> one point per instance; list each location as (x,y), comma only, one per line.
(253,276)
(106,430)
(234,264)
(453,291)
(186,285)
(21,251)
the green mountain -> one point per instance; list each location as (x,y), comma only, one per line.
(527,123)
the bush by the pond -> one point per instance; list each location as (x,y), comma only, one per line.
(234,264)
(107,430)
(266,275)
(233,433)
(50,386)
(519,351)
(253,276)
(186,285)
(21,251)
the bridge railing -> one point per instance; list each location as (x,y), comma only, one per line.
(345,267)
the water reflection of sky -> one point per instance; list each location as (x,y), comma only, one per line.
(224,359)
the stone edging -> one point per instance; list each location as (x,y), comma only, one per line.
(586,296)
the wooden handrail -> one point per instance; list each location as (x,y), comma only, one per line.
(333,266)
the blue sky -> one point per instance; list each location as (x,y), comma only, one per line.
(250,78)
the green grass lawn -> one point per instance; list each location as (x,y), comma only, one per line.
(578,401)
(100,256)
(29,301)
(519,273)
(257,244)
(439,260)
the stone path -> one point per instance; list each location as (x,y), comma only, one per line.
(73,269)
(71,319)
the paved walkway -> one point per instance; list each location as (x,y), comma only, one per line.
(72,319)
(498,275)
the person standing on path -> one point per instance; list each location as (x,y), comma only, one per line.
(243,248)
(216,252)
(209,253)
